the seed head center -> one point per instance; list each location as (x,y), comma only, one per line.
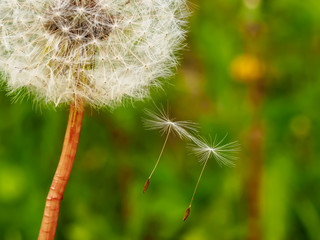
(79,21)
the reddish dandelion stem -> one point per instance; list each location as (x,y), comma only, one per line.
(62,174)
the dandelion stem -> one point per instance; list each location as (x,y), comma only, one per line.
(186,215)
(155,166)
(61,177)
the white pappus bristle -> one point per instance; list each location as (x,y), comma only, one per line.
(222,153)
(161,121)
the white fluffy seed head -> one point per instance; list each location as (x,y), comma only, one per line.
(101,50)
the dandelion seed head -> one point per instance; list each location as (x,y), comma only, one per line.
(104,51)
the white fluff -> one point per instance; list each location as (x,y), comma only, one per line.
(160,120)
(223,154)
(100,50)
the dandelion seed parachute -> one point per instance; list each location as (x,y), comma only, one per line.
(203,150)
(222,153)
(161,121)
(103,51)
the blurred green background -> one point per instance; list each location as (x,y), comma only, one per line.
(252,70)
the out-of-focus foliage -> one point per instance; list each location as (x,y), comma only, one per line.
(104,199)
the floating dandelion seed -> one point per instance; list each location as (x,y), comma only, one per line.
(222,153)
(161,121)
(204,150)
(96,52)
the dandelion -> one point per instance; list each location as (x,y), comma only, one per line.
(204,150)
(161,121)
(77,52)
(103,51)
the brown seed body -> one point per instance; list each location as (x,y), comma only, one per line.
(146,185)
(187,213)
